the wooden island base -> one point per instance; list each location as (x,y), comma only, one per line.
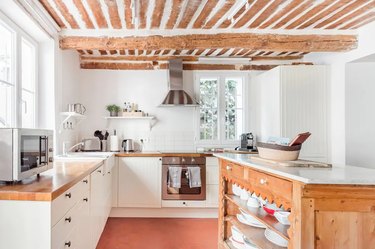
(323,216)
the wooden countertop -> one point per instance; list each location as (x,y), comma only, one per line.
(162,154)
(51,183)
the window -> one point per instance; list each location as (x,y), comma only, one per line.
(221,111)
(6,81)
(18,77)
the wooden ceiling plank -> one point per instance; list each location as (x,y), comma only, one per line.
(275,58)
(324,14)
(117,66)
(359,20)
(270,10)
(363,23)
(274,42)
(89,51)
(206,11)
(177,52)
(113,14)
(280,14)
(220,13)
(235,51)
(157,14)
(199,52)
(210,52)
(81,52)
(223,52)
(112,52)
(190,9)
(318,8)
(250,52)
(122,52)
(97,12)
(131,52)
(352,16)
(66,14)
(103,52)
(243,52)
(165,52)
(143,5)
(251,12)
(128,14)
(84,15)
(339,14)
(176,9)
(228,22)
(53,14)
(294,14)
(137,58)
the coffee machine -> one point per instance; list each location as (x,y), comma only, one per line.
(247,142)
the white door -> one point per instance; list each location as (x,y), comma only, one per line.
(139,182)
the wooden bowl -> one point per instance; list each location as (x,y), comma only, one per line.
(278,152)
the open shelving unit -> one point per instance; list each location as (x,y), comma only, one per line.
(70,115)
(150,119)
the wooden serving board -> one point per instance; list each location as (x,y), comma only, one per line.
(296,163)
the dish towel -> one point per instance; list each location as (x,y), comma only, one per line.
(174,179)
(194,175)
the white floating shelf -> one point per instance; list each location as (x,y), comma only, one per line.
(120,117)
(73,114)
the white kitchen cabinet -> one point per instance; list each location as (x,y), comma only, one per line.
(288,100)
(97,204)
(212,181)
(139,182)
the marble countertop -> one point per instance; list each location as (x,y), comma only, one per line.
(338,174)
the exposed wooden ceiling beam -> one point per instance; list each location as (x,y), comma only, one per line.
(276,58)
(267,42)
(154,65)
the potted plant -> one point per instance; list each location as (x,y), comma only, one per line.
(113,110)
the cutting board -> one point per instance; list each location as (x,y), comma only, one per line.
(296,163)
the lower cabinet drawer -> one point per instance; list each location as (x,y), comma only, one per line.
(184,204)
(272,187)
(232,170)
(66,201)
(65,226)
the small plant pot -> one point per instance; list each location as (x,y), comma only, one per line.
(113,114)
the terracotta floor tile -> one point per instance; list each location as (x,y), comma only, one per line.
(159,233)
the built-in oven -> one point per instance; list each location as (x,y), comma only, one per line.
(24,153)
(185,190)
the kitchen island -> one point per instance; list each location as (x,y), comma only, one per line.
(330,207)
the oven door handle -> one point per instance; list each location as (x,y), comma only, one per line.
(43,139)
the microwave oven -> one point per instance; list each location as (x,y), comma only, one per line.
(24,153)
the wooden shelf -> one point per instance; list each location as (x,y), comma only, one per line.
(228,244)
(253,234)
(262,216)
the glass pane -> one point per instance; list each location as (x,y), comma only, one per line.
(28,66)
(209,108)
(29,152)
(233,108)
(5,105)
(28,109)
(5,54)
(28,84)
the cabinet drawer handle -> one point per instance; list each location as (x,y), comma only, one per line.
(229,168)
(86,199)
(99,171)
(86,181)
(69,219)
(69,195)
(68,244)
(263,181)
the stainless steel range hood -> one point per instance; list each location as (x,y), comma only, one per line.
(176,95)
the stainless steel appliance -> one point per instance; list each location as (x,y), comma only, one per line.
(247,142)
(24,153)
(184,192)
(128,145)
(91,144)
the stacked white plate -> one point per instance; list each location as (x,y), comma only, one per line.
(236,189)
(249,220)
(275,238)
(245,245)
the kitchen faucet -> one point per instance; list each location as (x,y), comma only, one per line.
(65,151)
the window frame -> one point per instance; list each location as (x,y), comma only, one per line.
(221,141)
(16,75)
